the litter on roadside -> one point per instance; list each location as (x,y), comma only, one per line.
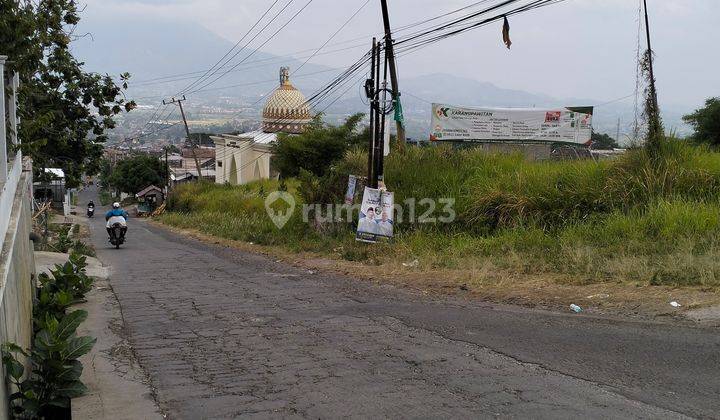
(413,263)
(674,304)
(575,308)
(599,296)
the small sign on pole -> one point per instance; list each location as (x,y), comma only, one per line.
(350,192)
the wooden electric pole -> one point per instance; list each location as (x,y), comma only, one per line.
(393,70)
(187,131)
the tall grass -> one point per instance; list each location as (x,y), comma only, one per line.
(652,219)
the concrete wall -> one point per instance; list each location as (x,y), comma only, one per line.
(17,268)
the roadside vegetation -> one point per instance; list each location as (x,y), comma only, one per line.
(45,377)
(650,217)
(60,237)
(44,389)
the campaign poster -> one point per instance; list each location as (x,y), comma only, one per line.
(562,125)
(375,221)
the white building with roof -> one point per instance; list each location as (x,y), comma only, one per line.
(244,158)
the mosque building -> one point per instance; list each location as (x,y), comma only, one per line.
(245,157)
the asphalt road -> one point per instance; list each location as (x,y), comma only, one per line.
(225,334)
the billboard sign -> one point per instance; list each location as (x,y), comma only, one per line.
(562,125)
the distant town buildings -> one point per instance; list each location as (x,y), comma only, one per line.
(183,167)
(230,158)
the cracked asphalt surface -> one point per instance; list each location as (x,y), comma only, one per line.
(224,334)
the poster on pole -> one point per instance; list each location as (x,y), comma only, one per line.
(561,125)
(350,192)
(376,220)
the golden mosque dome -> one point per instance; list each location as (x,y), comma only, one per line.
(286,110)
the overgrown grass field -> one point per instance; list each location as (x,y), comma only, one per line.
(650,219)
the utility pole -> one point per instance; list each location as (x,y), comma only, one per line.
(187,131)
(654,119)
(167,171)
(370,93)
(393,69)
(617,136)
(377,136)
(383,112)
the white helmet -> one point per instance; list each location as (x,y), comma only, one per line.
(116,205)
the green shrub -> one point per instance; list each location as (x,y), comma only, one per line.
(318,148)
(66,285)
(55,372)
(55,369)
(82,248)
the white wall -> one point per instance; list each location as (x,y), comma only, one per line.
(17,269)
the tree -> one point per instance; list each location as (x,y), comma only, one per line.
(64,111)
(603,142)
(318,147)
(134,173)
(706,122)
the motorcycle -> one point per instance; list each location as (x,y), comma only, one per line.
(90,211)
(117,234)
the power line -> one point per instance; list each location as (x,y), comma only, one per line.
(267,61)
(260,46)
(467,23)
(334,34)
(256,35)
(424,39)
(259,82)
(172,76)
(364,37)
(231,49)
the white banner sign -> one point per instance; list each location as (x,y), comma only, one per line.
(566,125)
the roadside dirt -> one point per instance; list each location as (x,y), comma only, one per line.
(543,290)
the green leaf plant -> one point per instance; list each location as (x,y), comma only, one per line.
(54,374)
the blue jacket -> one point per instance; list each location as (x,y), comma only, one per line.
(116,212)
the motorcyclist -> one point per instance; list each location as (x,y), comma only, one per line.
(91,204)
(90,208)
(116,215)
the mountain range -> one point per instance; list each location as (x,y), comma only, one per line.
(164,57)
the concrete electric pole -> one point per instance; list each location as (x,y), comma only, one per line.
(187,131)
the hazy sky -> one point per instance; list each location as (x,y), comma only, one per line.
(577,48)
